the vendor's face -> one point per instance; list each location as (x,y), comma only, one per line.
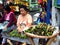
(22,11)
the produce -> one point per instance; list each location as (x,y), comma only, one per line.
(41,29)
(15,33)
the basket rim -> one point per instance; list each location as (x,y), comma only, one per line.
(38,36)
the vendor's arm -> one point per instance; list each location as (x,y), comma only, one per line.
(18,24)
(10,20)
(55,33)
(53,36)
(29,21)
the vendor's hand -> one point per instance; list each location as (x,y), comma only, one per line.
(5,27)
(19,29)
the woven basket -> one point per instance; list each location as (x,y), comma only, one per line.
(38,36)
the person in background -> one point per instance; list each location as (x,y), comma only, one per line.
(44,6)
(8,20)
(41,18)
(24,19)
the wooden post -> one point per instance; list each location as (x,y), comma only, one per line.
(31,40)
(9,42)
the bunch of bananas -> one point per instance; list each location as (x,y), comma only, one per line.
(41,29)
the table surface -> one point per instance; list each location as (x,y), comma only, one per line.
(15,38)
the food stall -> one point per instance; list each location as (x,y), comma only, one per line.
(41,31)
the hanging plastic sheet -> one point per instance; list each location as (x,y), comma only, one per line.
(40,1)
(58,2)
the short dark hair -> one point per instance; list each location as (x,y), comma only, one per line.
(7,8)
(25,7)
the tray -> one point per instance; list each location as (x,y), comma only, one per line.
(15,38)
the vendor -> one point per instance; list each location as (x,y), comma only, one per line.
(24,19)
(8,20)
